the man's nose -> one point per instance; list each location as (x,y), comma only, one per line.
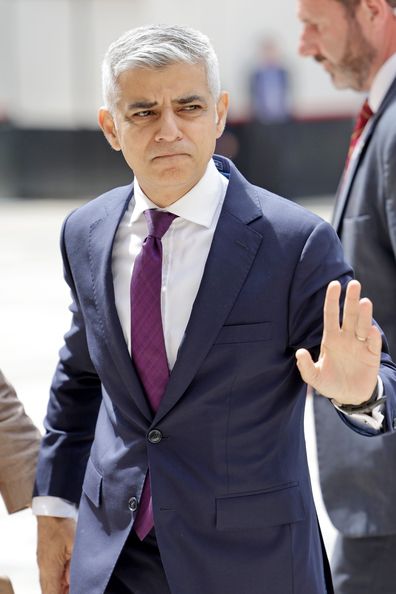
(306,45)
(168,129)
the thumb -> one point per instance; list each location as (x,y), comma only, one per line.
(306,366)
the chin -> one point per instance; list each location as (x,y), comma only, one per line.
(174,175)
(339,82)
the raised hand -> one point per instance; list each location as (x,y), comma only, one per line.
(349,359)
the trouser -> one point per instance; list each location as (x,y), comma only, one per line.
(364,565)
(139,568)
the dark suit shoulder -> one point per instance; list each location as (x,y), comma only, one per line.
(386,127)
(284,212)
(385,120)
(80,223)
(98,208)
(384,145)
(103,204)
(251,203)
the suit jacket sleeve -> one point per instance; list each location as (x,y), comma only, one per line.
(321,256)
(19,443)
(75,398)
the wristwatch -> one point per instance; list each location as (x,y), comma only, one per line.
(364,407)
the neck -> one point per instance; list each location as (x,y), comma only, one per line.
(163,195)
(163,198)
(386,50)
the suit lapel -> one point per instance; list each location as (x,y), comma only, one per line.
(232,253)
(101,240)
(347,179)
(345,186)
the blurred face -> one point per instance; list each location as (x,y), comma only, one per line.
(334,37)
(166,123)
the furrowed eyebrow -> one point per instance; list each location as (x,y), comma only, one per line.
(180,101)
(190,99)
(142,105)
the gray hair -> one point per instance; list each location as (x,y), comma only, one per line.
(157,46)
(350,5)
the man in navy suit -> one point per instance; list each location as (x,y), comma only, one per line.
(356,43)
(218,464)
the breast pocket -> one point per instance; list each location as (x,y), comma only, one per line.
(92,485)
(276,506)
(245,333)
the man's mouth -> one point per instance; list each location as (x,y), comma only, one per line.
(169,156)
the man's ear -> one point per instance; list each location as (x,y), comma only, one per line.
(221,109)
(106,122)
(375,10)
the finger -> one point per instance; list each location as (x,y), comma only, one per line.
(331,309)
(51,574)
(67,573)
(374,341)
(351,307)
(51,584)
(66,579)
(364,320)
(306,367)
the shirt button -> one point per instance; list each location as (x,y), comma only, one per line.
(133,504)
(154,436)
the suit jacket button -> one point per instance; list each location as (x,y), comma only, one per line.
(133,504)
(154,436)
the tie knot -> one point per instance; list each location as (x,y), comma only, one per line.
(158,222)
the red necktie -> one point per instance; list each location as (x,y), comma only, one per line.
(361,121)
(147,337)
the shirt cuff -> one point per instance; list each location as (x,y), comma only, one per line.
(54,506)
(374,420)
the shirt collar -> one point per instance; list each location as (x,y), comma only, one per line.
(198,206)
(382,82)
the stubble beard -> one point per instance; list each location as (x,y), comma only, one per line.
(353,70)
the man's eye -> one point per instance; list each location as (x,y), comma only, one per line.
(142,114)
(191,108)
(314,27)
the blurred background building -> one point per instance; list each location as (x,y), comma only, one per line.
(50,55)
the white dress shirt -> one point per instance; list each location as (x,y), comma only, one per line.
(185,248)
(382,83)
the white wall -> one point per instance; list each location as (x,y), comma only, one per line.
(50,53)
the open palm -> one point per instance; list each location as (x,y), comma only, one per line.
(349,360)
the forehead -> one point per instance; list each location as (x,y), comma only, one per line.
(309,10)
(173,81)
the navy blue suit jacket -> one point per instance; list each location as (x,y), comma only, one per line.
(231,491)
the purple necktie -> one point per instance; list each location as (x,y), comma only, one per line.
(147,337)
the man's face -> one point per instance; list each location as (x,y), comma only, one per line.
(165,122)
(335,38)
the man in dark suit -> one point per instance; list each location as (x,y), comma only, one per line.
(195,480)
(356,43)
